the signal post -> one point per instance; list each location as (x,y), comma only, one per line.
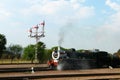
(37,34)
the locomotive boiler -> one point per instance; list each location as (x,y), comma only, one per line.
(72,59)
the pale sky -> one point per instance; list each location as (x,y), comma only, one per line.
(79,24)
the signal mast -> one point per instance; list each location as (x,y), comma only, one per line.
(34,33)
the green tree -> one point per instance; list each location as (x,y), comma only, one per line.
(41,52)
(16,49)
(48,54)
(7,54)
(2,44)
(29,53)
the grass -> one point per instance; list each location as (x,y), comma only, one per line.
(9,61)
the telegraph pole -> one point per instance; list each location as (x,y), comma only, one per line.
(34,33)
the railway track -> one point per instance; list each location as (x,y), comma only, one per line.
(23,68)
(12,70)
(18,72)
(65,75)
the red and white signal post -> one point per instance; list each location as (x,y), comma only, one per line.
(37,34)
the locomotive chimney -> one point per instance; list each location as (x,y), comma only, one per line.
(58,48)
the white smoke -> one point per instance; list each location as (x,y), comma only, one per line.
(60,66)
(64,31)
(61,37)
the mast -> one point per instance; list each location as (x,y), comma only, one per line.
(34,33)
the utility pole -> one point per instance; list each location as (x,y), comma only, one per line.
(34,33)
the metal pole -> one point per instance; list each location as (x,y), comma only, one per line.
(36,51)
(36,47)
(37,36)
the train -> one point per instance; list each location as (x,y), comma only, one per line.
(75,60)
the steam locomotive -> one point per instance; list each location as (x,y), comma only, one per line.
(72,59)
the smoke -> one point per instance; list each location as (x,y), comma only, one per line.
(60,66)
(61,37)
(75,64)
(64,31)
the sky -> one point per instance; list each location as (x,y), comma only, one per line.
(79,24)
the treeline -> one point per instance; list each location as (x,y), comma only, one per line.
(17,52)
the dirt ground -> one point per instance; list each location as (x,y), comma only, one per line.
(22,65)
(66,72)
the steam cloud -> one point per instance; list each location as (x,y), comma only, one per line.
(64,31)
(60,66)
(61,37)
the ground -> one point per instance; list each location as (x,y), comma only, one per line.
(106,73)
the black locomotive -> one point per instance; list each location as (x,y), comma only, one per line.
(72,59)
(88,60)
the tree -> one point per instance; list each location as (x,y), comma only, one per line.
(16,50)
(2,44)
(48,54)
(29,53)
(7,54)
(41,52)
